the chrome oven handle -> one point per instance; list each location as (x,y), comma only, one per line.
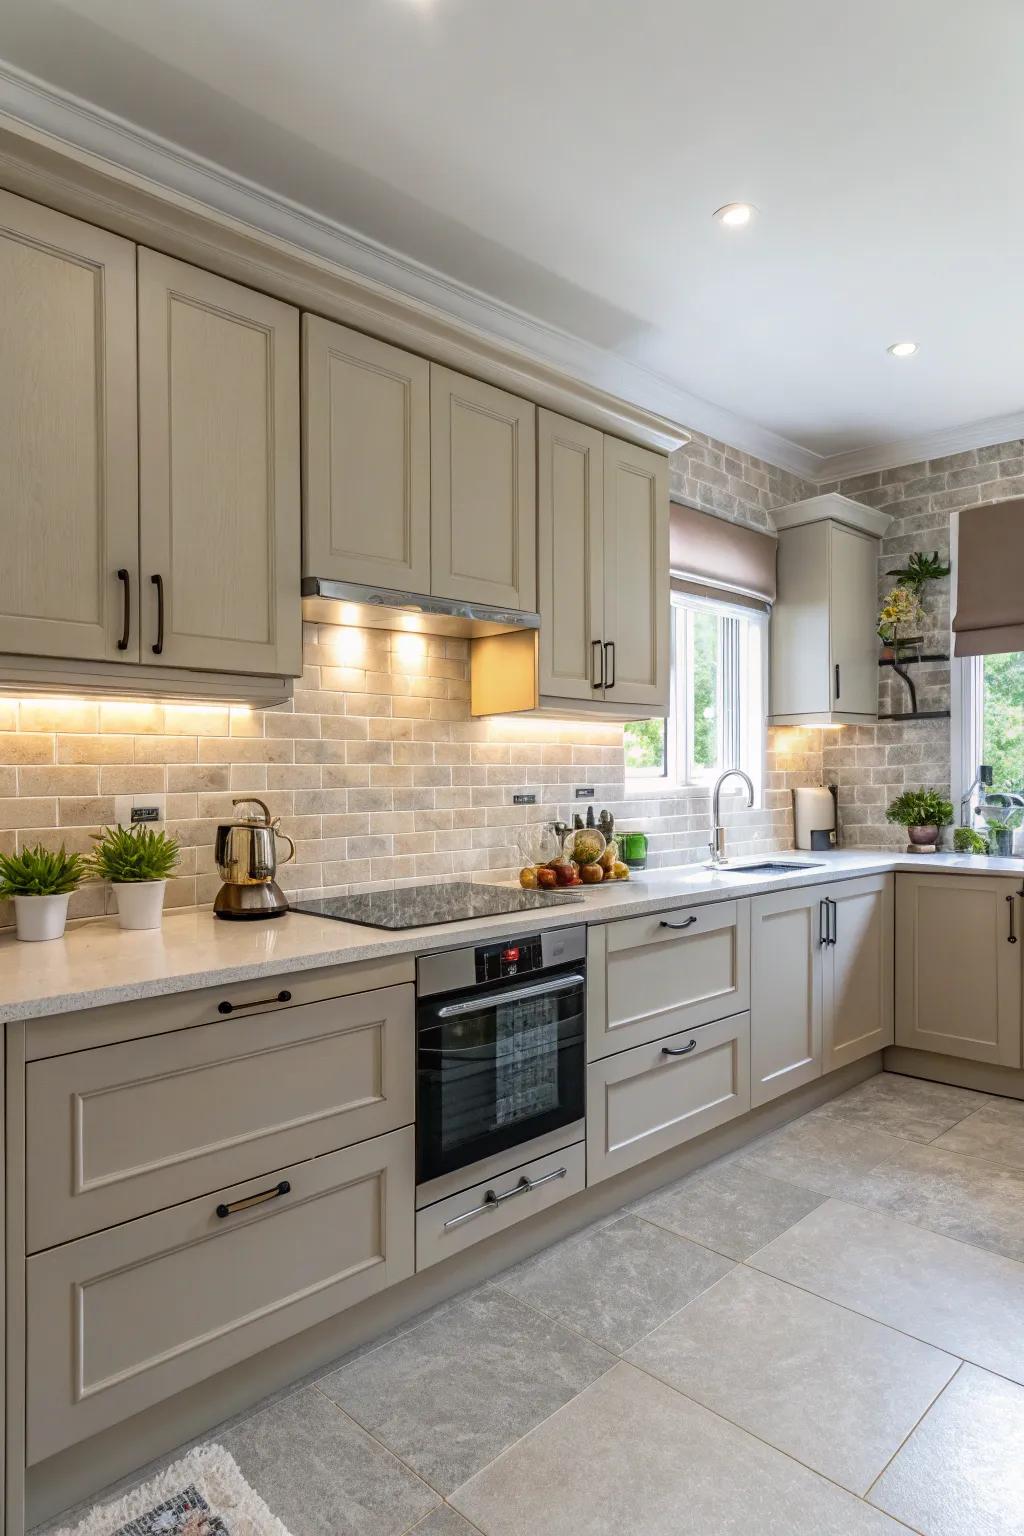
(491,1201)
(519,994)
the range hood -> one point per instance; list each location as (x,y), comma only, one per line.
(357,606)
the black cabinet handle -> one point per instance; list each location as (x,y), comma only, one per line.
(687,922)
(609,672)
(595,646)
(823,921)
(124,576)
(1012,936)
(158,582)
(837,682)
(257,1002)
(679,1050)
(284,1188)
(834,924)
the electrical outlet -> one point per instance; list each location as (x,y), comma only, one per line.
(524,797)
(145,813)
(585,792)
(130,810)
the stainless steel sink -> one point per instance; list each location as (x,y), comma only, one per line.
(769,867)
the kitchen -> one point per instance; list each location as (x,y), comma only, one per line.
(479,809)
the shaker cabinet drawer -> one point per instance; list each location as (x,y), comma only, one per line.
(123,1319)
(649,976)
(655,1097)
(123,1130)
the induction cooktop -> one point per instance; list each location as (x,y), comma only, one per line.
(423,906)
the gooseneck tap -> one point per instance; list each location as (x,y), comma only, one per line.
(717,844)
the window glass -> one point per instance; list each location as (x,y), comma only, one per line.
(1002,724)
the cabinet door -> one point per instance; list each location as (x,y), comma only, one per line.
(570,557)
(68,441)
(858,998)
(636,575)
(483,502)
(853,607)
(786,942)
(366,459)
(958,976)
(218,472)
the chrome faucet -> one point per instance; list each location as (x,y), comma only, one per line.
(717,844)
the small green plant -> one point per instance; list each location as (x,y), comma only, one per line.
(966,840)
(125,856)
(921,569)
(40,871)
(920,808)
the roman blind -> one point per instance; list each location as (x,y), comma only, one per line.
(707,552)
(989,598)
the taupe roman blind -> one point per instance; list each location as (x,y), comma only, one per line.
(989,598)
(706,551)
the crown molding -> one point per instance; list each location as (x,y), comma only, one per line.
(120,152)
(929,445)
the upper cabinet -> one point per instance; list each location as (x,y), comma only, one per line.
(824,623)
(483,510)
(219,524)
(636,575)
(366,460)
(68,451)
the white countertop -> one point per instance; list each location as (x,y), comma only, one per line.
(97,963)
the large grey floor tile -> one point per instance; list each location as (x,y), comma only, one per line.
(961,1473)
(631,1457)
(730,1207)
(321,1475)
(994,1133)
(961,1197)
(907,1107)
(836,1390)
(960,1299)
(450,1395)
(822,1152)
(616,1282)
(444,1522)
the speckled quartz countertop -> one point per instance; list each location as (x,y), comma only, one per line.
(96,963)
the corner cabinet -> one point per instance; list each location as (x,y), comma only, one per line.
(219,518)
(958,965)
(821,984)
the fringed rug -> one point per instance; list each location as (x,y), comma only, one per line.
(203,1494)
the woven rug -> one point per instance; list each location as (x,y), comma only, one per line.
(203,1494)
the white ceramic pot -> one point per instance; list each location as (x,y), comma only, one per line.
(41,917)
(140,903)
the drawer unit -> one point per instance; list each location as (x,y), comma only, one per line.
(655,1097)
(466,1218)
(123,1130)
(123,1319)
(650,976)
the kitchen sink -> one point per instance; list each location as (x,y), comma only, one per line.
(769,867)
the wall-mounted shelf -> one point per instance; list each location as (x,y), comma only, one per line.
(906,661)
(899,666)
(919,714)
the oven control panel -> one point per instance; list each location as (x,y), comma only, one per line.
(518,957)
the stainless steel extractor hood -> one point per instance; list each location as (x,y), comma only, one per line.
(362,607)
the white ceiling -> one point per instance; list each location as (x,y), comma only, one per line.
(565,157)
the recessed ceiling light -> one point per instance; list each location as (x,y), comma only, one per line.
(735,215)
(902,349)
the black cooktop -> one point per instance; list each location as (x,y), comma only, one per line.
(422,906)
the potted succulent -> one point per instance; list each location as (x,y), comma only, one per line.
(922,812)
(137,862)
(40,882)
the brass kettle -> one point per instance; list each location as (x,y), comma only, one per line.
(246,857)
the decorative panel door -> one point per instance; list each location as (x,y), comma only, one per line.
(570,557)
(68,442)
(366,459)
(858,983)
(483,503)
(636,575)
(219,472)
(786,944)
(853,617)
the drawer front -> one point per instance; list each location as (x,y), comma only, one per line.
(121,1320)
(440,1232)
(650,1099)
(651,976)
(124,1130)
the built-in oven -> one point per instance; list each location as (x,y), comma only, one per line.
(500,1054)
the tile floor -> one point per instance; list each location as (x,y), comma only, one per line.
(819,1335)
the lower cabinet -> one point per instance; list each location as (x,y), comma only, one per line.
(820,981)
(124,1318)
(958,965)
(655,1097)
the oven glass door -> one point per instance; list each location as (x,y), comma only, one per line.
(498,1067)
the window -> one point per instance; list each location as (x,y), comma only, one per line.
(992,716)
(717,710)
